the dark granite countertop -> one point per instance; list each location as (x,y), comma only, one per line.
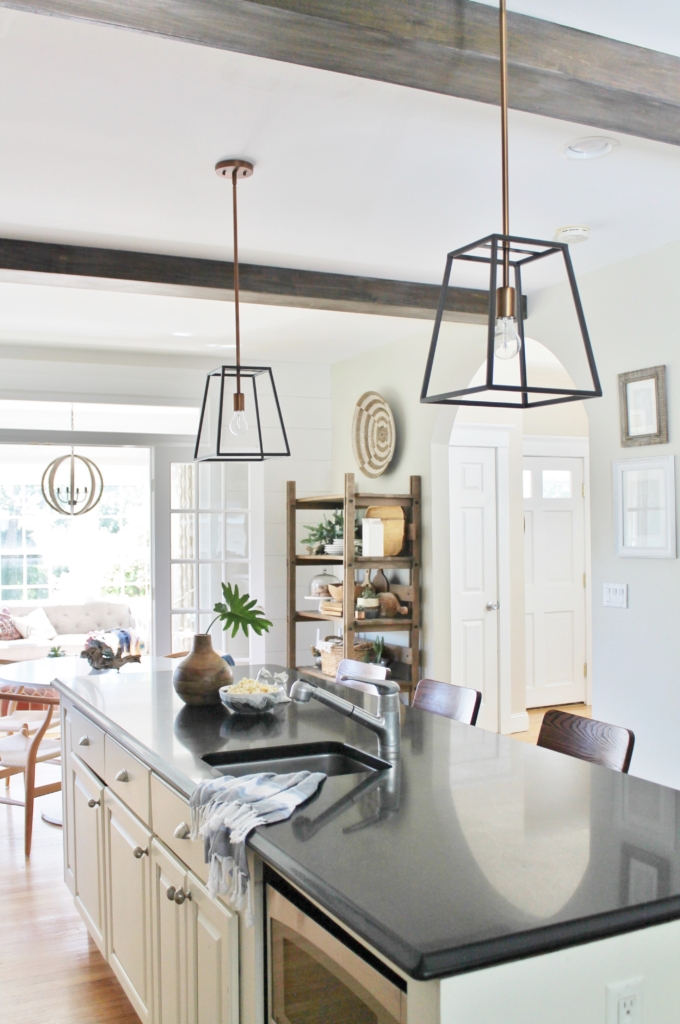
(473,850)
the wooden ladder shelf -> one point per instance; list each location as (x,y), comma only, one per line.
(405,660)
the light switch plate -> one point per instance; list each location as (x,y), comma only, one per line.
(615,595)
(624,1002)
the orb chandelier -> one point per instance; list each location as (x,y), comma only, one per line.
(241,418)
(72,498)
(502,346)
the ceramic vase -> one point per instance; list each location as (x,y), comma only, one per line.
(198,678)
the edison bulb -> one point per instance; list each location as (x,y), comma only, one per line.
(238,424)
(507,341)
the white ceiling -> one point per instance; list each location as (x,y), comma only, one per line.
(655,24)
(110,137)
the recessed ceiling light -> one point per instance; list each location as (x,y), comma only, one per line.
(590,148)
(572,234)
(182,334)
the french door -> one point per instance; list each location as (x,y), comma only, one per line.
(208,530)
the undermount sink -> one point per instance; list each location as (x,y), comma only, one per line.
(329,757)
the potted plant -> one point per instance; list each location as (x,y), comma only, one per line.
(56,652)
(326,536)
(199,677)
(379,656)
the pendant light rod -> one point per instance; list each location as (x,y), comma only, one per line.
(237,321)
(504,139)
(236,169)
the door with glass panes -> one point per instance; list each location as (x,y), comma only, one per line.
(203,518)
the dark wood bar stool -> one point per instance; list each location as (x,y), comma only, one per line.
(608,745)
(457,702)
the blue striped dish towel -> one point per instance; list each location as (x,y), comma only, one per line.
(224,812)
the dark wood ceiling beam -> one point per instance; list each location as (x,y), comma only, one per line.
(154,273)
(445,46)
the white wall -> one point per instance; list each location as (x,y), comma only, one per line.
(423,433)
(106,376)
(632,313)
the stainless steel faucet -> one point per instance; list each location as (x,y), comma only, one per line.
(386,724)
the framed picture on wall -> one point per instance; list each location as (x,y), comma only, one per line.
(644,507)
(642,407)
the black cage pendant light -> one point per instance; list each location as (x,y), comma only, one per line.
(241,417)
(500,346)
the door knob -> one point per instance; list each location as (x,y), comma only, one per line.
(93,803)
(83,741)
(122,776)
(138,852)
(182,831)
(492,606)
(181,896)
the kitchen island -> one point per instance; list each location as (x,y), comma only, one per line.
(497,880)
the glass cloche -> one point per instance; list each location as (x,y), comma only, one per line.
(318,586)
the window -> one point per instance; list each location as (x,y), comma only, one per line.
(209,545)
(102,555)
(556,483)
(527,483)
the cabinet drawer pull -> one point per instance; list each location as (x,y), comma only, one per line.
(84,741)
(93,803)
(182,831)
(122,776)
(170,893)
(181,896)
(138,852)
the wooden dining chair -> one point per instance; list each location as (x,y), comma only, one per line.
(25,746)
(608,745)
(457,702)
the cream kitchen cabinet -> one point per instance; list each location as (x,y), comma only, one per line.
(174,949)
(86,797)
(128,877)
(195,939)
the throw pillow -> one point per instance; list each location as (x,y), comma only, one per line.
(8,631)
(35,625)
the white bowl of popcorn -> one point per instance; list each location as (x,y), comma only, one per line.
(255,696)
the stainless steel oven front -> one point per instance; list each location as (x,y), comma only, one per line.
(315,978)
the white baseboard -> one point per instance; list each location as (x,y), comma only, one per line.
(519,722)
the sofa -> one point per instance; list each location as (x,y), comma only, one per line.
(72,623)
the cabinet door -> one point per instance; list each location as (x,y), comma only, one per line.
(169,940)
(213,959)
(86,795)
(129,904)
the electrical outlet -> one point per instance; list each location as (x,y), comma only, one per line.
(624,1002)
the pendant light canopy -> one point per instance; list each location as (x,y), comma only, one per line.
(504,263)
(241,417)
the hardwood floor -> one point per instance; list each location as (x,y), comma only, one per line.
(536,717)
(50,968)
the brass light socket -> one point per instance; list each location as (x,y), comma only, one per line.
(239,402)
(505,302)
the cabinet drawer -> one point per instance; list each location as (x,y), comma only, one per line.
(169,811)
(87,741)
(128,778)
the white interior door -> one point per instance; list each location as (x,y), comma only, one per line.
(554,574)
(474,576)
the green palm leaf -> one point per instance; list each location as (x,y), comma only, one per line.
(240,611)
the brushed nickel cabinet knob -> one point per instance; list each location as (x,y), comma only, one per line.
(93,803)
(182,831)
(138,852)
(181,896)
(122,776)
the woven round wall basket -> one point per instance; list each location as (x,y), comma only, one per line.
(373,434)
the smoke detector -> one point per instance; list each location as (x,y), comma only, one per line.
(590,148)
(572,234)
